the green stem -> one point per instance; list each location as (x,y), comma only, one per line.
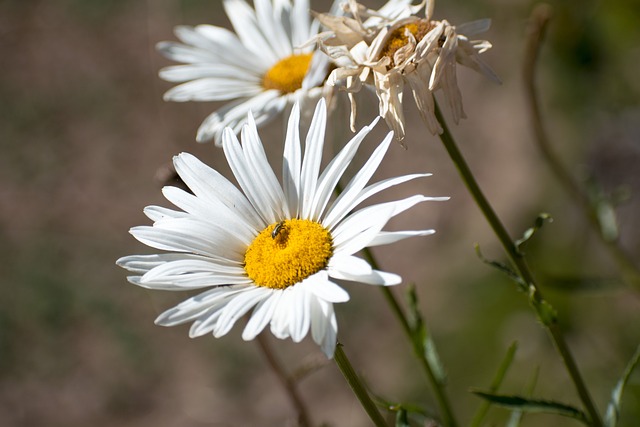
(358,389)
(538,24)
(521,267)
(448,419)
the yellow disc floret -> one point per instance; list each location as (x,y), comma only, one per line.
(398,37)
(287,252)
(288,73)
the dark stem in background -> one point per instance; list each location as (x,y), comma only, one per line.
(537,27)
(287,382)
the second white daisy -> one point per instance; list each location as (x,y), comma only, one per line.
(274,249)
(259,68)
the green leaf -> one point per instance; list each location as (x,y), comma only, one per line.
(516,416)
(547,314)
(502,268)
(495,384)
(524,404)
(423,341)
(402,418)
(613,409)
(538,223)
(528,234)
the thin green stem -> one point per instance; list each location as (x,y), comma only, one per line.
(448,419)
(358,389)
(538,24)
(520,264)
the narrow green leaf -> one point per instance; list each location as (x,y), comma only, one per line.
(613,409)
(422,338)
(516,416)
(402,418)
(495,384)
(580,283)
(533,405)
(528,234)
(502,268)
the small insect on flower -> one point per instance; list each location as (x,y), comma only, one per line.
(277,229)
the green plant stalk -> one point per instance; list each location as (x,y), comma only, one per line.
(446,413)
(520,264)
(358,389)
(539,19)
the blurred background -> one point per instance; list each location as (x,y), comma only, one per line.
(86,140)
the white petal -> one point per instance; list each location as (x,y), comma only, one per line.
(349,197)
(272,27)
(312,158)
(300,319)
(237,307)
(181,53)
(229,49)
(373,217)
(281,317)
(264,106)
(182,267)
(206,302)
(374,278)
(324,327)
(185,237)
(333,172)
(320,285)
(385,238)
(261,316)
(157,213)
(351,203)
(301,29)
(292,162)
(246,26)
(245,175)
(349,263)
(144,263)
(183,73)
(213,89)
(263,176)
(218,214)
(210,185)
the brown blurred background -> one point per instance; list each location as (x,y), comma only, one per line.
(84,132)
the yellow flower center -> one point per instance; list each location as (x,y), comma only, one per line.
(398,38)
(287,252)
(288,73)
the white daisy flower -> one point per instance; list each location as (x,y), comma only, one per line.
(396,47)
(274,249)
(259,68)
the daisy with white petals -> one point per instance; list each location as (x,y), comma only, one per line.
(261,67)
(393,47)
(274,249)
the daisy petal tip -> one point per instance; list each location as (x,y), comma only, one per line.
(392,279)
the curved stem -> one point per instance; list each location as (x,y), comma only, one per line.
(287,382)
(519,263)
(538,24)
(448,419)
(358,389)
